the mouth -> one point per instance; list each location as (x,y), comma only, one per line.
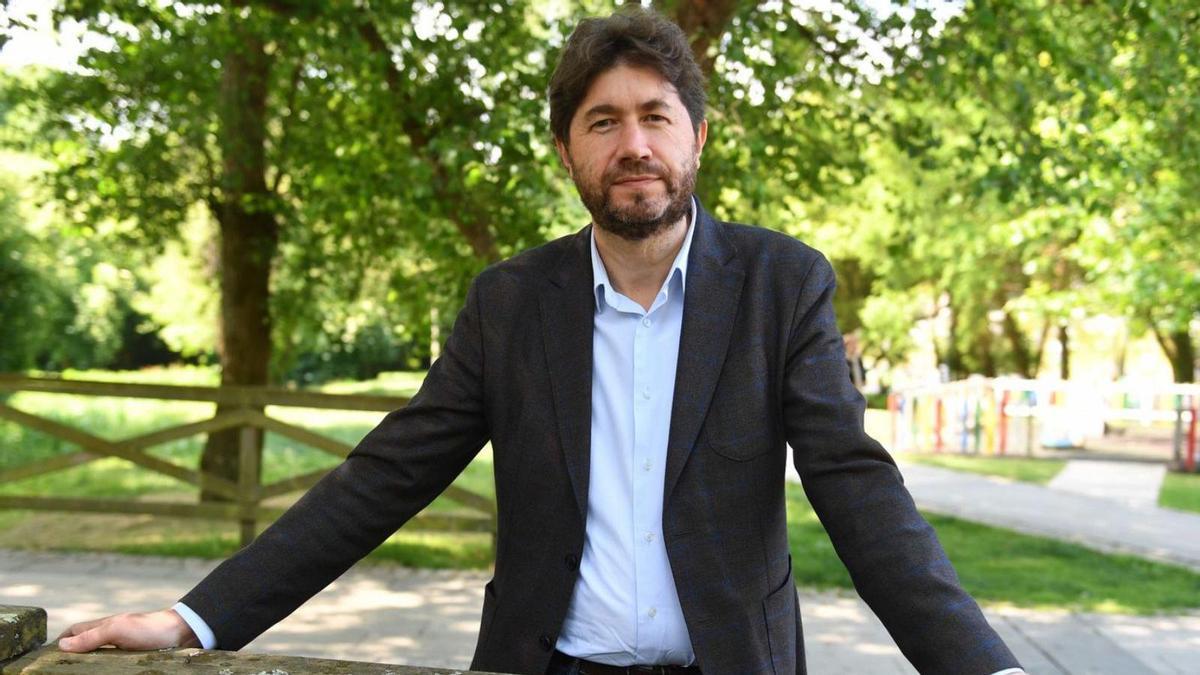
(636,181)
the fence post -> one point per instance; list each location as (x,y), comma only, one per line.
(1002,428)
(249,462)
(937,425)
(978,430)
(1177,438)
(1190,462)
(964,426)
(1031,412)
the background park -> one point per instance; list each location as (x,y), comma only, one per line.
(233,234)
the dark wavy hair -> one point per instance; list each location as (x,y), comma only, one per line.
(632,36)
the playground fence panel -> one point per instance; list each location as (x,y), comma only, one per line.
(1005,416)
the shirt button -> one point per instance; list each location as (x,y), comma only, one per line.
(649,536)
(652,612)
(646,322)
(646,393)
(646,466)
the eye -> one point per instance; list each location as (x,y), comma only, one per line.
(600,125)
(656,118)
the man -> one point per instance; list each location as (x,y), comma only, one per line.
(639,382)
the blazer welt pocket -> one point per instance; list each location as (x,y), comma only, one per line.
(780,612)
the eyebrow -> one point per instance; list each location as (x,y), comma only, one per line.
(610,109)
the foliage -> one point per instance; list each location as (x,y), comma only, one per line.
(64,303)
(1008,166)
(1057,138)
(402,146)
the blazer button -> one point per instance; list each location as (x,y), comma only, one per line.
(572,561)
(546,643)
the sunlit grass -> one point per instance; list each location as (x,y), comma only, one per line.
(1180,491)
(1004,567)
(1040,471)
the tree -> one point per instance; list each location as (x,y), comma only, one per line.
(327,143)
(369,158)
(1077,118)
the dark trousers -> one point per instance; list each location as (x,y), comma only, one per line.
(561,664)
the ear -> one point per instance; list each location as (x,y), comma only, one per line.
(564,156)
(701,137)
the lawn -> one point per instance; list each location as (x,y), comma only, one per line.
(997,566)
(1180,491)
(1040,471)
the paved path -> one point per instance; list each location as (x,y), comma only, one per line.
(1133,484)
(420,617)
(1100,523)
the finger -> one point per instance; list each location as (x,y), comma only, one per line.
(88,640)
(82,626)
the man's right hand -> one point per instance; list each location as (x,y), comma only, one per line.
(135,632)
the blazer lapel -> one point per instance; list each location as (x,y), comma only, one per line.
(568,305)
(713,289)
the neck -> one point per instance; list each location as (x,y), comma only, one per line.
(637,269)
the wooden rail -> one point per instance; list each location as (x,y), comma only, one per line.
(23,630)
(242,409)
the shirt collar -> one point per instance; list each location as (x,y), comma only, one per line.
(600,274)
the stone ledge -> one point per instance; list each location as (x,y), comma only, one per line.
(21,630)
(50,661)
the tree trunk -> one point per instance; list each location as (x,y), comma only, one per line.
(704,22)
(249,235)
(1064,355)
(953,356)
(1022,353)
(1043,340)
(1180,350)
(986,352)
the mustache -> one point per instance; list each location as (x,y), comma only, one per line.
(636,168)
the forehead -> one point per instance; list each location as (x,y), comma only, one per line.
(627,86)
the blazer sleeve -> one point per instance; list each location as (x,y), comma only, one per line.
(393,473)
(893,556)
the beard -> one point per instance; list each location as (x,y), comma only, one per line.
(646,214)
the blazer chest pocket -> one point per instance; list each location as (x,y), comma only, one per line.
(739,425)
(742,416)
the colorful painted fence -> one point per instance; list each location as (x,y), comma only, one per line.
(1015,416)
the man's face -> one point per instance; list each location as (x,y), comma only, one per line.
(633,153)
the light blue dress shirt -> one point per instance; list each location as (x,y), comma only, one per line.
(625,610)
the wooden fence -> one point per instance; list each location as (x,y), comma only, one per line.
(241,407)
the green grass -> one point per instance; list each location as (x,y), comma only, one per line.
(999,566)
(1025,469)
(1180,491)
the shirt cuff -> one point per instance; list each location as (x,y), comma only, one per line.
(201,629)
(1010,671)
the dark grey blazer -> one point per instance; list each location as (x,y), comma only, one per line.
(760,364)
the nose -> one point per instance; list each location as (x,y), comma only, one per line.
(634,142)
